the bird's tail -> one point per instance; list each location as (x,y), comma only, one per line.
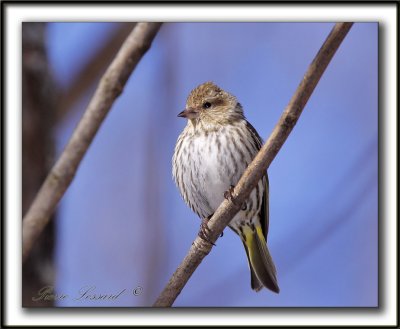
(262,268)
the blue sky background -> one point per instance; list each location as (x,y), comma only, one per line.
(123,224)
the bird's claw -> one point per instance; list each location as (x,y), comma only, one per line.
(229,196)
(204,232)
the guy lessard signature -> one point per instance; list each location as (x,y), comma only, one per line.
(85,293)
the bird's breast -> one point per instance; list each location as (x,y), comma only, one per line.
(218,164)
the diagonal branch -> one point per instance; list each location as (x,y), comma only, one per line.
(92,70)
(62,173)
(227,210)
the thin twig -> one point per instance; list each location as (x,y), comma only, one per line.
(61,175)
(92,70)
(228,208)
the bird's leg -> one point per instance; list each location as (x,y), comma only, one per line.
(204,230)
(229,196)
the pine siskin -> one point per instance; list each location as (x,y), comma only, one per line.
(211,154)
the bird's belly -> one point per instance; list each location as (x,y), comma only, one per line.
(207,164)
(219,168)
(216,181)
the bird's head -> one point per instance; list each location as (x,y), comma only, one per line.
(211,105)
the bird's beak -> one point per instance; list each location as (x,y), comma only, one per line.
(189,113)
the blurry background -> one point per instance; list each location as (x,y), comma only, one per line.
(122,223)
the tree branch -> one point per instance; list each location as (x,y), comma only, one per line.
(92,70)
(62,173)
(254,172)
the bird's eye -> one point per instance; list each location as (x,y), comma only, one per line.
(206,105)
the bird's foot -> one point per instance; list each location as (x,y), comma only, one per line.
(229,196)
(204,232)
(229,193)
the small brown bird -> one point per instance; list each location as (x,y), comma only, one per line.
(211,154)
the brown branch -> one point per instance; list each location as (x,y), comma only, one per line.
(62,173)
(97,65)
(228,208)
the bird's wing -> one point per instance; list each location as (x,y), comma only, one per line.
(265,209)
(265,203)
